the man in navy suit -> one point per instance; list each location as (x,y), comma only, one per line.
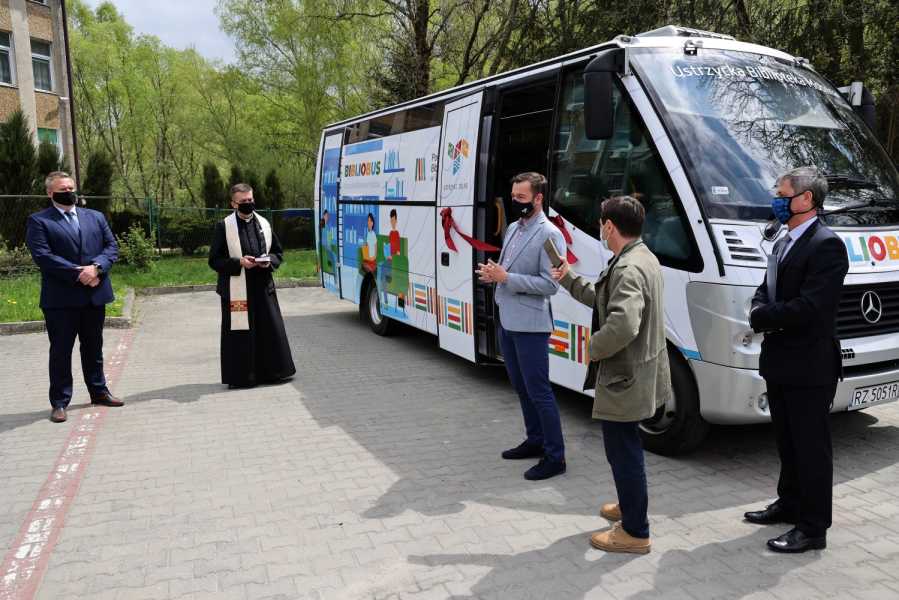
(74,249)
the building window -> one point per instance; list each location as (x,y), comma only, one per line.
(40,62)
(5,59)
(48,135)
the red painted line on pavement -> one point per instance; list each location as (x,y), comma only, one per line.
(27,559)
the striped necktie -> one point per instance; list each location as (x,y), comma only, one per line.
(73,222)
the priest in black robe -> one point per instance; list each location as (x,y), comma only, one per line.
(244,252)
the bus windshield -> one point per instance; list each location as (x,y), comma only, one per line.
(740,120)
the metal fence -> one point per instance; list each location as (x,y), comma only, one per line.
(183,230)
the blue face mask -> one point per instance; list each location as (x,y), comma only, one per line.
(782,210)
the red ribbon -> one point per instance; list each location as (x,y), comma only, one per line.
(446,218)
(559,222)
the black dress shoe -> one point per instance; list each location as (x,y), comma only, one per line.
(795,541)
(106,399)
(772,515)
(58,415)
(545,469)
(523,450)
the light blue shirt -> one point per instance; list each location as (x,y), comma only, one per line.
(74,214)
(523,225)
(795,234)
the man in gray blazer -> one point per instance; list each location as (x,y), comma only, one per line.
(524,284)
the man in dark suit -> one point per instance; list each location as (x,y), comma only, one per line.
(74,250)
(796,308)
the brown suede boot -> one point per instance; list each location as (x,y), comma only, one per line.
(617,539)
(610,512)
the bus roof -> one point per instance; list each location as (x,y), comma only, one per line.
(670,36)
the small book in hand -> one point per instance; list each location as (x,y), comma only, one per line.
(554,257)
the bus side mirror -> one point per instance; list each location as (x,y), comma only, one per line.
(867,109)
(599,111)
(862,102)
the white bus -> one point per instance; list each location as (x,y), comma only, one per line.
(695,125)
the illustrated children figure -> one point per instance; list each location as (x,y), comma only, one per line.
(328,257)
(370,249)
(395,247)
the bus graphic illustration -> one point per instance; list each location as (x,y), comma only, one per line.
(457,152)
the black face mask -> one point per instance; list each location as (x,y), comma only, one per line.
(64,198)
(525,209)
(246,208)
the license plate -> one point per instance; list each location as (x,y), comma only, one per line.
(875,394)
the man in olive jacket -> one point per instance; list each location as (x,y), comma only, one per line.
(629,364)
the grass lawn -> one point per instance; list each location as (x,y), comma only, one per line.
(19,296)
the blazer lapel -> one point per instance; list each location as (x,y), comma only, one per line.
(64,223)
(520,246)
(774,267)
(510,231)
(797,246)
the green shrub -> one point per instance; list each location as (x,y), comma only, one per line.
(188,231)
(137,249)
(121,221)
(295,232)
(15,260)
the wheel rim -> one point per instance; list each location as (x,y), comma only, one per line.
(664,418)
(374,308)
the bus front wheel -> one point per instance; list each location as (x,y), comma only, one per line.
(370,309)
(677,427)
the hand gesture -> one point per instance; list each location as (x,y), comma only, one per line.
(491,272)
(88,276)
(561,271)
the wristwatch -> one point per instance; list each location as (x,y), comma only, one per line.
(98,266)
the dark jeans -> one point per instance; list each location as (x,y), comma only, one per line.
(527,362)
(63,326)
(801,419)
(624,451)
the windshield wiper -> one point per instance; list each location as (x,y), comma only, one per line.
(847,181)
(849,207)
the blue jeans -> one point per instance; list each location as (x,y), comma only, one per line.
(624,451)
(527,363)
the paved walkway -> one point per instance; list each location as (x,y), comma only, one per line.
(376,474)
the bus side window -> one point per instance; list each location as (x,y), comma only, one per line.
(395,123)
(586,172)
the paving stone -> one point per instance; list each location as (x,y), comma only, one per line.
(375,473)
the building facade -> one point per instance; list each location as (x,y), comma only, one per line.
(34,70)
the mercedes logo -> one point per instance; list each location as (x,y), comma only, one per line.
(872,308)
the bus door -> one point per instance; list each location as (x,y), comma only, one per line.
(455,222)
(328,229)
(520,137)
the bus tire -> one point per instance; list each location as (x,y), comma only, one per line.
(670,434)
(370,309)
